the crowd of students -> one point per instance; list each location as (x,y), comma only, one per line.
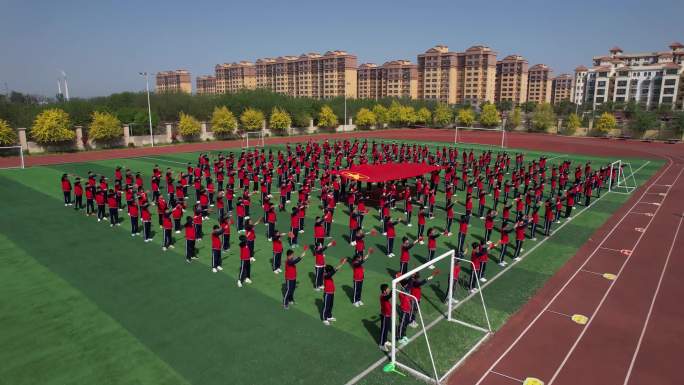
(520,198)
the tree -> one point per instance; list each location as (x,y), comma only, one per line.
(606,122)
(301,119)
(423,115)
(677,123)
(394,113)
(489,116)
(466,117)
(365,118)
(408,115)
(280,119)
(52,126)
(528,106)
(223,122)
(141,122)
(504,105)
(381,114)
(572,124)
(642,121)
(543,117)
(188,126)
(516,118)
(327,118)
(442,115)
(252,120)
(7,135)
(104,127)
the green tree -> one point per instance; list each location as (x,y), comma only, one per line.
(642,121)
(442,115)
(516,118)
(301,119)
(408,115)
(543,117)
(423,115)
(52,126)
(504,105)
(489,116)
(606,122)
(381,114)
(7,135)
(677,123)
(280,119)
(466,117)
(104,127)
(365,118)
(188,126)
(327,118)
(223,122)
(394,113)
(251,119)
(141,122)
(572,123)
(528,106)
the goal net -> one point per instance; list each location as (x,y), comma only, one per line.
(443,296)
(11,157)
(253,139)
(621,178)
(483,136)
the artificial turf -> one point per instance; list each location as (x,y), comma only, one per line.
(86,303)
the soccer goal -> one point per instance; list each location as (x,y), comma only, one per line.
(621,178)
(253,139)
(483,136)
(420,361)
(11,157)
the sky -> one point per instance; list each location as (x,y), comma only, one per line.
(103,45)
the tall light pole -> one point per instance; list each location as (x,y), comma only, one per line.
(345,105)
(149,106)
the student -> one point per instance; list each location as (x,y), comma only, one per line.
(484,258)
(417,292)
(190,237)
(245,266)
(329,292)
(177,215)
(453,281)
(391,234)
(290,277)
(519,237)
(319,264)
(216,260)
(90,200)
(66,189)
(294,227)
(405,309)
(250,234)
(534,222)
(421,223)
(462,232)
(433,234)
(358,276)
(225,223)
(147,221)
(277,252)
(449,218)
(197,221)
(474,273)
(385,316)
(113,208)
(505,239)
(405,256)
(78,194)
(167,226)
(133,213)
(271,218)
(489,225)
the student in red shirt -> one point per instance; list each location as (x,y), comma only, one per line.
(277,252)
(453,280)
(405,256)
(294,227)
(417,292)
(66,189)
(133,213)
(166,225)
(291,277)
(358,276)
(475,267)
(329,292)
(433,234)
(225,223)
(504,241)
(421,223)
(113,208)
(189,239)
(197,221)
(245,262)
(319,264)
(216,260)
(519,237)
(405,309)
(78,194)
(391,234)
(462,232)
(147,221)
(385,316)
(489,225)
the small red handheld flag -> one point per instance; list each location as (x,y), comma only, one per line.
(305,247)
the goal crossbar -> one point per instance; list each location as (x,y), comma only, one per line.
(19,154)
(257,141)
(458,135)
(621,178)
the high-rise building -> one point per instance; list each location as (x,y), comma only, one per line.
(539,84)
(511,79)
(233,77)
(457,77)
(205,85)
(173,81)
(398,78)
(562,88)
(650,79)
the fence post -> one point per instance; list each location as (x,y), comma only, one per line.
(169,132)
(203,131)
(79,138)
(126,134)
(22,138)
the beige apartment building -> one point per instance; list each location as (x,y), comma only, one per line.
(398,78)
(539,84)
(233,77)
(511,79)
(173,81)
(457,77)
(205,85)
(562,88)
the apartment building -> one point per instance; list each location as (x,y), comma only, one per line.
(173,81)
(233,77)
(539,84)
(511,79)
(457,77)
(651,79)
(398,78)
(561,88)
(205,85)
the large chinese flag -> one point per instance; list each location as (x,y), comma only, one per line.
(386,172)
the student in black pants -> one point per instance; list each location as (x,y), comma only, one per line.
(385,315)
(329,292)
(290,277)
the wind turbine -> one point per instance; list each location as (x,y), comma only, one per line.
(66,86)
(59,87)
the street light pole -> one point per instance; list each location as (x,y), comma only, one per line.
(149,106)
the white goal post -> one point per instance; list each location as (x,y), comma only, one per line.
(11,152)
(459,130)
(621,178)
(452,304)
(257,139)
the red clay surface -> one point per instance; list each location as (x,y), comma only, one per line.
(635,327)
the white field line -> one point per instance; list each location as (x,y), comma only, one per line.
(379,362)
(529,326)
(610,287)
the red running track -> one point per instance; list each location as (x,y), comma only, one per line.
(635,327)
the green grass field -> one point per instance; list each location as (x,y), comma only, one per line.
(83,303)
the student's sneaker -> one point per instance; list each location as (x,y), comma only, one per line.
(164,248)
(409,225)
(276,271)
(431,267)
(489,242)
(247,217)
(483,279)
(286,307)
(269,239)
(413,324)
(534,239)
(388,344)
(481,217)
(391,255)
(219,268)
(516,259)
(360,303)
(172,246)
(317,289)
(473,291)
(353,243)
(403,341)
(252,259)
(239,283)
(384,233)
(214,270)
(557,221)
(195,257)
(432,217)
(332,319)
(99,220)
(326,323)
(502,264)
(384,348)
(66,204)
(248,280)
(118,224)
(355,304)
(421,242)
(450,234)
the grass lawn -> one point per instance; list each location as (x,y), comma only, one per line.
(83,303)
